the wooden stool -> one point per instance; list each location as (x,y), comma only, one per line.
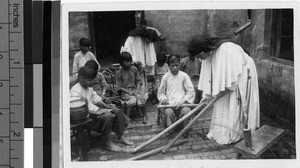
(159,116)
(161,108)
(81,137)
(262,139)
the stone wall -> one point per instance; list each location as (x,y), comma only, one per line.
(179,26)
(276,77)
(78,28)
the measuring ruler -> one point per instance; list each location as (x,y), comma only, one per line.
(11,84)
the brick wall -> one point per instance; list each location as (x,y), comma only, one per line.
(276,77)
(179,26)
(78,28)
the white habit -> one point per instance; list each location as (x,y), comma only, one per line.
(227,68)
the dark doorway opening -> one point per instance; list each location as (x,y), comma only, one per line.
(111,29)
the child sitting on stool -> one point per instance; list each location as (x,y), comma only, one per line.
(105,119)
(129,82)
(175,88)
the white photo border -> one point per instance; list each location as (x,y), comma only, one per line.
(82,6)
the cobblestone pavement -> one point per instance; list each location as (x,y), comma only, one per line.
(197,146)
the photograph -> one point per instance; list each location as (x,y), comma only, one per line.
(177,84)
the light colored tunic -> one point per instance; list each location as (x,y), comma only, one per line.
(175,88)
(227,68)
(78,92)
(80,59)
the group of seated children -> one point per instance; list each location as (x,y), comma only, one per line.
(174,87)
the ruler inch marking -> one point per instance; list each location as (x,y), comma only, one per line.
(12,84)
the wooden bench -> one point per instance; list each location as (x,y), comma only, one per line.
(262,139)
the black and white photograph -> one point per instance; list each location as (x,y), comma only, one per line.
(178,84)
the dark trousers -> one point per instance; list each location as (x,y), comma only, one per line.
(115,120)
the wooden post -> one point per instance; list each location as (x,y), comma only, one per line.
(167,129)
(155,151)
(191,123)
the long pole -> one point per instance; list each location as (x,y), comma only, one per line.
(173,106)
(155,151)
(191,123)
(167,129)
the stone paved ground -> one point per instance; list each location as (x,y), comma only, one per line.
(197,147)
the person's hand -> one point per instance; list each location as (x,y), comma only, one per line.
(165,101)
(204,101)
(108,106)
(134,93)
(180,103)
(99,112)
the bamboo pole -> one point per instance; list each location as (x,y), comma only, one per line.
(174,106)
(191,123)
(155,151)
(167,129)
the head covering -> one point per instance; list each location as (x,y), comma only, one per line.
(201,44)
(136,32)
(151,35)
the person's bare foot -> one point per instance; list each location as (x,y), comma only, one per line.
(130,126)
(125,141)
(113,147)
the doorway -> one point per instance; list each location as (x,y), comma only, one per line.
(111,29)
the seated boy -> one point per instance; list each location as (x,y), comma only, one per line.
(105,119)
(175,88)
(100,85)
(129,82)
